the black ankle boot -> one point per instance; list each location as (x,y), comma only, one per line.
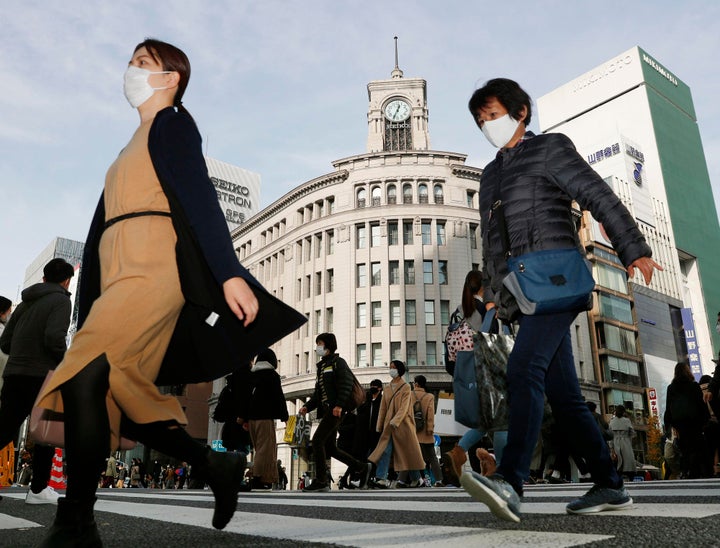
(224,473)
(74,526)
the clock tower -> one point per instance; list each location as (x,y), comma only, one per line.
(397,113)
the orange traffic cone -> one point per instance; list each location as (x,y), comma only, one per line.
(57,478)
(7,465)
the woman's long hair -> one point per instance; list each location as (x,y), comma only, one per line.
(682,372)
(172,59)
(473,284)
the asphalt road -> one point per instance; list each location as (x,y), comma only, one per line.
(670,513)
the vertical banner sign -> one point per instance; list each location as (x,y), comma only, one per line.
(652,402)
(691,342)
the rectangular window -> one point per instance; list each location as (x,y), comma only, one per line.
(440,233)
(331,205)
(329,320)
(376,273)
(376,313)
(360,236)
(442,273)
(427,272)
(615,308)
(318,283)
(445,312)
(621,371)
(411,353)
(330,242)
(616,338)
(393,235)
(361,315)
(394,274)
(429,312)
(361,355)
(430,353)
(318,246)
(377,354)
(375,240)
(407,232)
(410,272)
(361,275)
(425,231)
(307,286)
(318,321)
(410,313)
(395,351)
(308,249)
(612,278)
(394,312)
(473,236)
(307,362)
(330,280)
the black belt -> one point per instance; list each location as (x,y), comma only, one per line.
(119,218)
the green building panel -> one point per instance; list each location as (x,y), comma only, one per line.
(687,182)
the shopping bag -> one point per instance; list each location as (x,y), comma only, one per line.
(480,379)
(289,436)
(491,356)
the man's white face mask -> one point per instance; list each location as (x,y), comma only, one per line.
(500,131)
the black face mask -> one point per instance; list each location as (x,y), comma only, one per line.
(374,390)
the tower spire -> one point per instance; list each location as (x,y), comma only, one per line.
(396,73)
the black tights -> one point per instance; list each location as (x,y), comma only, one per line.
(87,431)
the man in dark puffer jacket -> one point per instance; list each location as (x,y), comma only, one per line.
(537,178)
(332,398)
(34,340)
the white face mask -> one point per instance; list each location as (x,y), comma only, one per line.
(320,351)
(136,86)
(500,131)
(394,373)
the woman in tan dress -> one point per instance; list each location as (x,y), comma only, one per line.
(105,384)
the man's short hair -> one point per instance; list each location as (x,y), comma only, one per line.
(5,304)
(508,93)
(377,383)
(58,270)
(421,381)
(328,340)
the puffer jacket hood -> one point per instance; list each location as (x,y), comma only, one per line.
(36,291)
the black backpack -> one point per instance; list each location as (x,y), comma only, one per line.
(418,414)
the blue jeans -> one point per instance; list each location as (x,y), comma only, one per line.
(473,436)
(542,363)
(383,465)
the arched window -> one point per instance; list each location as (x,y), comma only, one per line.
(423,193)
(391,194)
(376,196)
(361,197)
(438,193)
(407,194)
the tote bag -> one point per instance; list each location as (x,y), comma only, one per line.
(480,379)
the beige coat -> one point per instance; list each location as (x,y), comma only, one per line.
(396,422)
(427,402)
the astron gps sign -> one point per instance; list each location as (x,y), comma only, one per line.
(238,191)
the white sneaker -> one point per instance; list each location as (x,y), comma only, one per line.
(46,496)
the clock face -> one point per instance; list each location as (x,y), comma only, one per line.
(397,110)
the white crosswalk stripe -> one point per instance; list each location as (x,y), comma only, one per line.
(259,513)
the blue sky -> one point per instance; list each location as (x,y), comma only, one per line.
(279,87)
